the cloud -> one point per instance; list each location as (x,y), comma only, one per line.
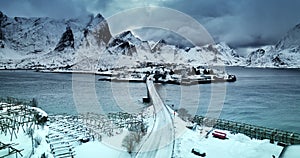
(246,22)
(162,18)
(240,23)
(155,34)
(42,8)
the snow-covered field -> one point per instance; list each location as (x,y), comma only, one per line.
(24,142)
(235,146)
(291,152)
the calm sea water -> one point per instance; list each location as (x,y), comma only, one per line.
(266,97)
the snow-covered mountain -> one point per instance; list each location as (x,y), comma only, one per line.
(47,42)
(86,43)
(213,54)
(124,43)
(286,53)
(126,49)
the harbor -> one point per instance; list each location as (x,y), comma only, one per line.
(167,75)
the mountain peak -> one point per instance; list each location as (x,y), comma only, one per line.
(125,33)
(162,41)
(124,43)
(297,26)
(99,16)
(2,17)
(1,35)
(98,19)
(1,14)
(66,40)
(129,37)
(157,46)
(290,40)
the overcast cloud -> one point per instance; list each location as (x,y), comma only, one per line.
(240,23)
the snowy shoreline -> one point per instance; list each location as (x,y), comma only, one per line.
(186,140)
(59,131)
(109,74)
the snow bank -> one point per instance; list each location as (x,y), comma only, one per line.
(98,149)
(237,146)
(41,112)
(23,141)
(291,152)
(234,146)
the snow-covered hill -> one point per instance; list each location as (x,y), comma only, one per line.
(86,43)
(127,50)
(46,42)
(218,54)
(286,53)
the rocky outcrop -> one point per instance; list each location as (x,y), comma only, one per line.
(290,40)
(286,53)
(102,32)
(2,18)
(1,39)
(1,35)
(255,55)
(97,32)
(28,41)
(41,35)
(124,43)
(66,40)
(158,45)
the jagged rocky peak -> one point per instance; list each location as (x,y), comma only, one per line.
(284,54)
(98,27)
(277,61)
(253,56)
(99,16)
(125,34)
(1,39)
(1,34)
(66,40)
(162,41)
(125,38)
(2,17)
(95,20)
(290,40)
(128,36)
(259,51)
(158,45)
(125,43)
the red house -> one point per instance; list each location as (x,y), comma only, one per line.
(218,134)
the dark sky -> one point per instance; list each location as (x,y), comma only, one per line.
(240,23)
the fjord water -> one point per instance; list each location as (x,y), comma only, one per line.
(266,97)
(55,92)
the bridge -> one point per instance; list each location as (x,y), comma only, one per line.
(159,142)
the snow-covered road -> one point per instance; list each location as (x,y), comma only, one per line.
(160,141)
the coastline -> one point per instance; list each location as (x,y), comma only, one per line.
(61,130)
